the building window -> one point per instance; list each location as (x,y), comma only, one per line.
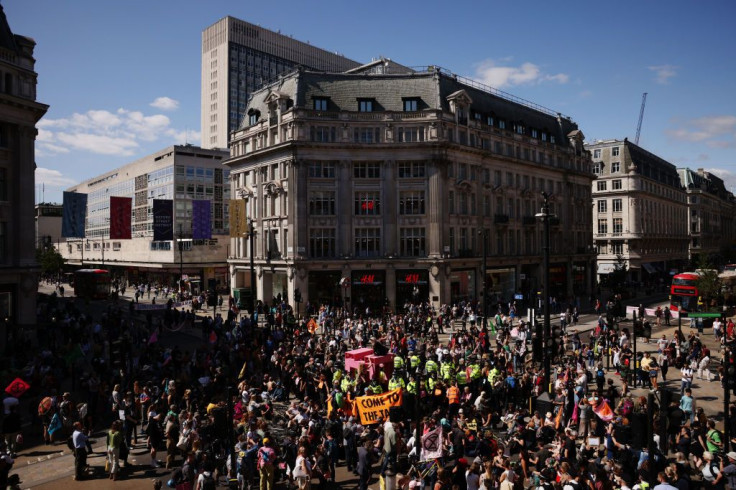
(322,243)
(617,248)
(367,242)
(322,134)
(603,226)
(615,151)
(602,206)
(367,135)
(597,153)
(365,105)
(322,203)
(367,170)
(535,133)
(410,135)
(367,203)
(615,167)
(618,225)
(616,185)
(617,205)
(320,103)
(252,119)
(544,136)
(597,168)
(501,124)
(411,202)
(412,242)
(411,105)
(451,202)
(412,170)
(322,170)
(602,185)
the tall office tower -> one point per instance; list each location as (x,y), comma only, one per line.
(238,58)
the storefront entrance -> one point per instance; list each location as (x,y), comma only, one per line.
(324,288)
(412,286)
(462,286)
(368,291)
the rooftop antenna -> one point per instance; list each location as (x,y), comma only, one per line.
(641,117)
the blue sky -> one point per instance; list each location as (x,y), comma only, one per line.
(123,78)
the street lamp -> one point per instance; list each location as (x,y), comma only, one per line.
(251,240)
(483,234)
(181,262)
(546,344)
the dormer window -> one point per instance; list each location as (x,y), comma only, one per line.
(253,116)
(320,103)
(489,121)
(519,128)
(411,105)
(501,124)
(365,105)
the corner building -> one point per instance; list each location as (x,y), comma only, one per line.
(387,180)
(640,212)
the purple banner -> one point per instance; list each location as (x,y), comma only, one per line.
(201,220)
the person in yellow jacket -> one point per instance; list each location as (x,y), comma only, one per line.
(398,362)
(431,366)
(446,370)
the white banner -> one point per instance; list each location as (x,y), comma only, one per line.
(432,444)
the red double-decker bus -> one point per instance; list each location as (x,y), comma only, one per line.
(684,292)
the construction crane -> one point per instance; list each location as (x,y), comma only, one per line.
(641,117)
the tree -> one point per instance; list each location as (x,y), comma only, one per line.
(708,283)
(618,276)
(50,260)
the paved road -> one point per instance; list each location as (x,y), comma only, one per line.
(51,467)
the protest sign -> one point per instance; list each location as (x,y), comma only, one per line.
(371,407)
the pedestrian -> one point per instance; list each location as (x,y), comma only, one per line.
(266,460)
(79,440)
(114,441)
(365,463)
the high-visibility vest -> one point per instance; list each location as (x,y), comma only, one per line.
(393,384)
(446,370)
(431,367)
(453,394)
(337,375)
(376,389)
(412,387)
(398,362)
(492,375)
(462,378)
(475,372)
(414,360)
(345,384)
(430,383)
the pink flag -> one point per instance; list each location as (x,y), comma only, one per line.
(154,338)
(603,411)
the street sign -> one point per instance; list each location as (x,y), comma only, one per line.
(704,315)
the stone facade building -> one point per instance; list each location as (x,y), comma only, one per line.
(640,212)
(19,113)
(385,182)
(711,210)
(239,57)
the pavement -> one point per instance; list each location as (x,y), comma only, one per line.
(52,467)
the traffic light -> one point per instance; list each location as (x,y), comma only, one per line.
(731,368)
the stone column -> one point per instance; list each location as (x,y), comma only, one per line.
(435,209)
(389,212)
(344,208)
(391,286)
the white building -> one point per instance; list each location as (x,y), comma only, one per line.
(640,214)
(239,57)
(180,173)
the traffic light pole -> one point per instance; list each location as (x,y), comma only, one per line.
(547,344)
(729,380)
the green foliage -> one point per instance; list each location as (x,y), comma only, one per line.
(618,276)
(50,260)
(708,283)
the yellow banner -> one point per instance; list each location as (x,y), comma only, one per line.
(371,407)
(238,225)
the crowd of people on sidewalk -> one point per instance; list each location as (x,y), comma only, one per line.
(270,394)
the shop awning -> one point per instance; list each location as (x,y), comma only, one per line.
(649,268)
(606,268)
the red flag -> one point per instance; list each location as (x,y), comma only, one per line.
(120,208)
(17,387)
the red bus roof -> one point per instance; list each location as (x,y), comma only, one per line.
(687,275)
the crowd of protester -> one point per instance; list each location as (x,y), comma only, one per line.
(265,383)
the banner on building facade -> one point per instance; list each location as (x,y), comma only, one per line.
(201,220)
(238,222)
(74,212)
(372,407)
(163,219)
(120,215)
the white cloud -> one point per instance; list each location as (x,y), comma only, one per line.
(497,75)
(53,178)
(121,132)
(165,104)
(713,131)
(663,73)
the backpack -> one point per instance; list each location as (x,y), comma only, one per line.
(208,483)
(600,374)
(70,443)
